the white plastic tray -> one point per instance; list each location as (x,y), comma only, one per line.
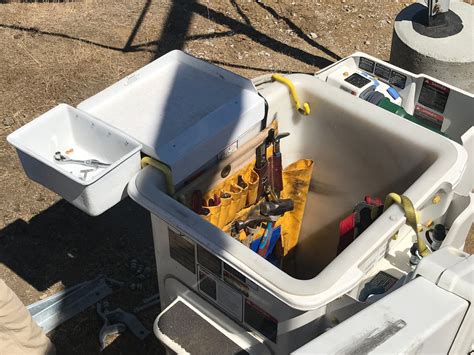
(67,129)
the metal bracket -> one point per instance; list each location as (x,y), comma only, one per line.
(58,308)
(117,321)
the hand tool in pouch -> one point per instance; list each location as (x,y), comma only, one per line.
(273,210)
(197,203)
(275,166)
(261,163)
(250,226)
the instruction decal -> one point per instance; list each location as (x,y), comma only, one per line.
(209,261)
(366,64)
(228,151)
(235,279)
(230,300)
(224,296)
(207,284)
(382,72)
(182,250)
(398,79)
(434,95)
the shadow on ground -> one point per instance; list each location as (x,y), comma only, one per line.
(174,33)
(78,246)
(62,244)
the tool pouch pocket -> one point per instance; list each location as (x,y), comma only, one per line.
(226,200)
(253,181)
(296,181)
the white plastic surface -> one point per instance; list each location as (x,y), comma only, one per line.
(358,150)
(183,110)
(459,219)
(418,318)
(453,270)
(467,183)
(65,128)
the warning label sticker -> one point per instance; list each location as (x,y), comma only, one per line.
(261,321)
(382,71)
(429,117)
(434,95)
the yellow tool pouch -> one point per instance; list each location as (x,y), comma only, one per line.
(253,181)
(235,192)
(238,198)
(215,212)
(296,180)
(225,208)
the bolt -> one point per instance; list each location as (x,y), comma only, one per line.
(436,199)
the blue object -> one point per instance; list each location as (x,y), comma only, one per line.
(254,245)
(393,93)
(266,239)
(273,240)
(261,242)
(376,82)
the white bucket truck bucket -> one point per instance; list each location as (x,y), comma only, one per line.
(189,118)
(357,150)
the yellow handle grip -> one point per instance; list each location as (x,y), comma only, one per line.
(305,109)
(165,169)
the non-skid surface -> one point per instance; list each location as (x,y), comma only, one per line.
(194,334)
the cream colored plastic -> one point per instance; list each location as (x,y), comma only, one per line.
(358,150)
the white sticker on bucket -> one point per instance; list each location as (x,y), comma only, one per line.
(230,300)
(227,152)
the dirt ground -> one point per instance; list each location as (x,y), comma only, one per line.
(66,52)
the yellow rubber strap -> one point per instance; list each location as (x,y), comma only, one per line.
(165,169)
(305,109)
(411,216)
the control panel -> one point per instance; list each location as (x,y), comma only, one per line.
(422,99)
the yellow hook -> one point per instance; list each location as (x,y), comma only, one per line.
(305,109)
